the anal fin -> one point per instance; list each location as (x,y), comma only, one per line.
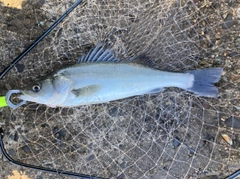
(156,90)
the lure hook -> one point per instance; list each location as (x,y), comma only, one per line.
(9,103)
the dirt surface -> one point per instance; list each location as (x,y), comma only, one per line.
(12,3)
(170,135)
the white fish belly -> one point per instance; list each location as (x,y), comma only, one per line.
(117,81)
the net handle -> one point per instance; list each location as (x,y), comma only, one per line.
(16,60)
(39,168)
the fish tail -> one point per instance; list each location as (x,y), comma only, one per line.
(204,80)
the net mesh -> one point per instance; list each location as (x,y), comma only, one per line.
(173,134)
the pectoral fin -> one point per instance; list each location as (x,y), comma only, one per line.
(85,91)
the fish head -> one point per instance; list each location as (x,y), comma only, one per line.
(50,91)
(39,91)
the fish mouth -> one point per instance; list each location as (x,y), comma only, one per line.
(22,95)
(10,103)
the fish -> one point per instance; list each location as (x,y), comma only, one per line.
(100,77)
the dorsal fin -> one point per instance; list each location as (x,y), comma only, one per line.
(98,54)
(143,60)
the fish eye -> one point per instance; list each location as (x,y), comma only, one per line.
(36,88)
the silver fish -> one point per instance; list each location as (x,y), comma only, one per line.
(99,77)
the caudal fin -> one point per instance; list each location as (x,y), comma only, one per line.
(204,80)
